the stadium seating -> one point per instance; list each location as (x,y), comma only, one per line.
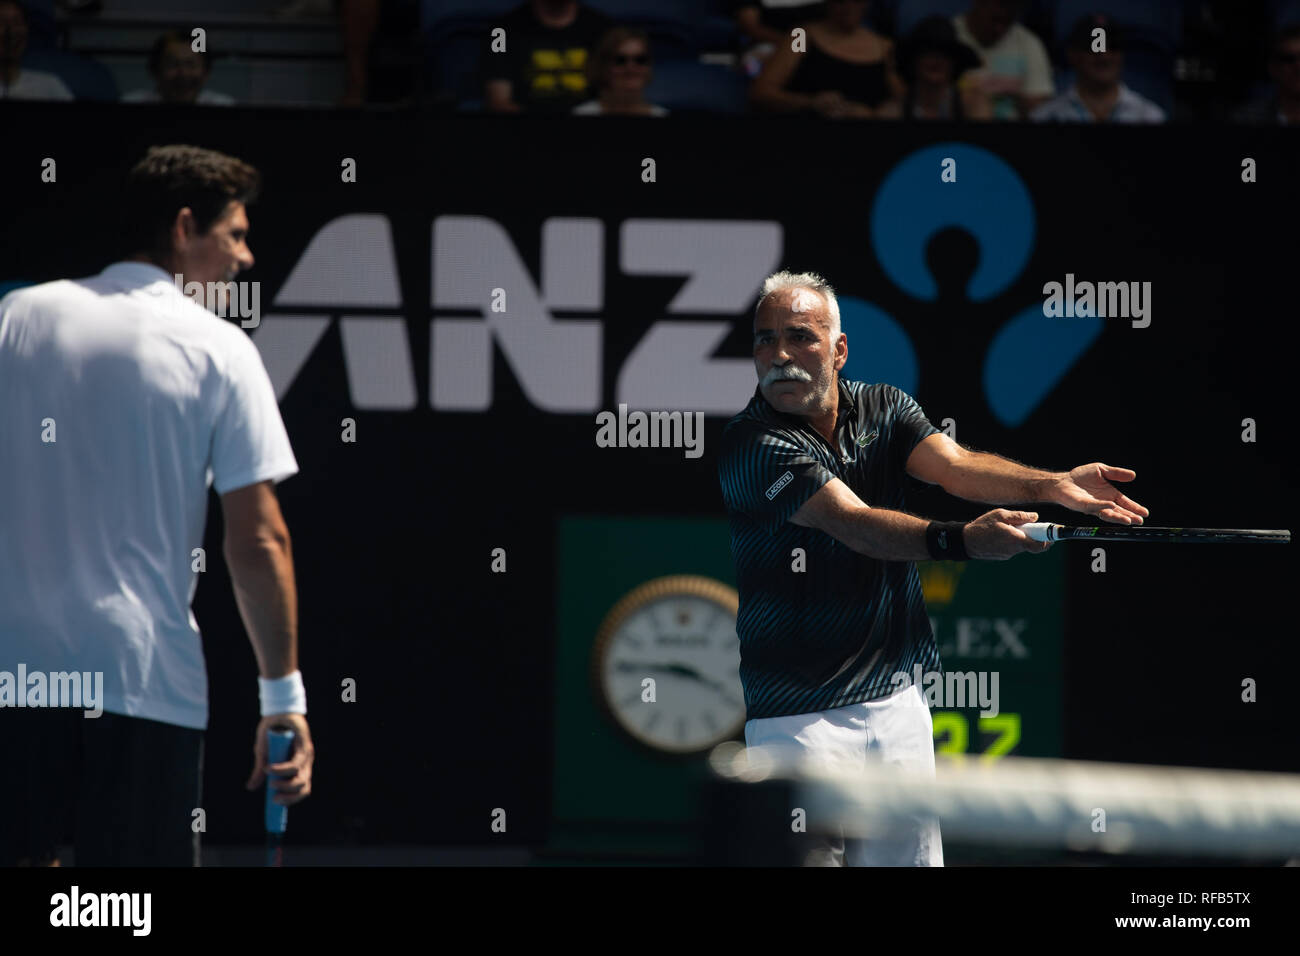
(87,79)
(912,12)
(453,54)
(454,32)
(1152,23)
(683,86)
(1286,13)
(42,30)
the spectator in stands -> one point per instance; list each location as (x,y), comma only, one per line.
(15,82)
(543,68)
(1017,74)
(1283,105)
(619,72)
(179,73)
(763,24)
(936,69)
(847,70)
(381,51)
(1097,95)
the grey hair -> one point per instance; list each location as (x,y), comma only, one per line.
(784,281)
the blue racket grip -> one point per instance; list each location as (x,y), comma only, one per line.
(279,745)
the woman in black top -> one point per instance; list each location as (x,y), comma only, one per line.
(846,69)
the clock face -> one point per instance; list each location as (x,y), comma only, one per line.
(667,661)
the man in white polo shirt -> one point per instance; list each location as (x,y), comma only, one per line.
(1098,94)
(121,402)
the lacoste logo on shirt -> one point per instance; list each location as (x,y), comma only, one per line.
(865,440)
(780,483)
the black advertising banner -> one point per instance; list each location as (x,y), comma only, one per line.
(481,329)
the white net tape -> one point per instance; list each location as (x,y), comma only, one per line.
(1116,808)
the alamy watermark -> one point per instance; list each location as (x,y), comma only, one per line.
(651,430)
(74,908)
(230,300)
(1105,300)
(83,690)
(955,689)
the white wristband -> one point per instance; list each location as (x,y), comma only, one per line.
(283,695)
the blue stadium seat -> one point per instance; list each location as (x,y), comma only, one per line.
(453,56)
(42,29)
(912,12)
(436,13)
(716,28)
(1155,85)
(453,33)
(1286,13)
(684,11)
(675,26)
(686,86)
(1157,23)
(87,79)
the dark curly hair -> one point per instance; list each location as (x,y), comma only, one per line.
(168,179)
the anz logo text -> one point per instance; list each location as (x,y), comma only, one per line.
(558,362)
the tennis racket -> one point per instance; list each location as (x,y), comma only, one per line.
(279,746)
(1046,531)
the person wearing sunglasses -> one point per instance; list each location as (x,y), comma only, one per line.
(618,73)
(1282,106)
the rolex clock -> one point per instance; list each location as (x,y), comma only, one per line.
(666,664)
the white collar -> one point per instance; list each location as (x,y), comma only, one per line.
(139,273)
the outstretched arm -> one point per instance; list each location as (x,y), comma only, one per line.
(897,536)
(992,479)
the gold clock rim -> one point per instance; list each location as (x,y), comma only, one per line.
(691,585)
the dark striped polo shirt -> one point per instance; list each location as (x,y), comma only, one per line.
(835,633)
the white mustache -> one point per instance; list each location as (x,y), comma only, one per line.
(786,373)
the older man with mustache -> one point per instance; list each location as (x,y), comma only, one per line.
(814,466)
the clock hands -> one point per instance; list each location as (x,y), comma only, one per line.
(680,670)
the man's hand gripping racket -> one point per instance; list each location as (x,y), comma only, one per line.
(283,756)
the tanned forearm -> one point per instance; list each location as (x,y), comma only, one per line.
(887,535)
(992,479)
(265,591)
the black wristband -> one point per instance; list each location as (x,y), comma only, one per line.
(945,540)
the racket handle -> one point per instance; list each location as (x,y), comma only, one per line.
(1040,530)
(279,746)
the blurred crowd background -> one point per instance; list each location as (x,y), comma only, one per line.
(1191,61)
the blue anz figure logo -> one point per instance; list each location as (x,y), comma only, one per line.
(1030,354)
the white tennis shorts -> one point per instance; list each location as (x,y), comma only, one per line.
(896,730)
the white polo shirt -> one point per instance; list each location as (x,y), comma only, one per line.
(1017,53)
(35,85)
(149,399)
